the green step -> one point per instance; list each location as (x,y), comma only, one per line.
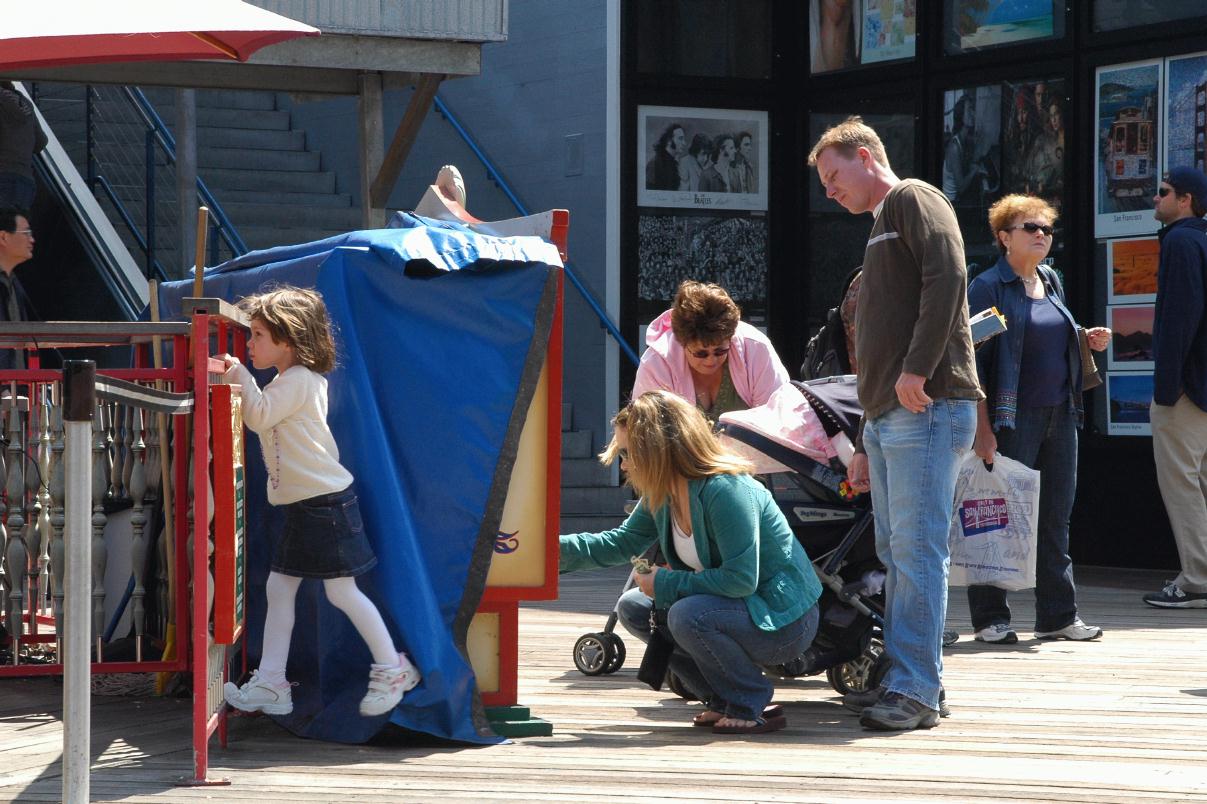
(517,721)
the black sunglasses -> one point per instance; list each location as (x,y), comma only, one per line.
(1030,227)
(720,351)
(1164,191)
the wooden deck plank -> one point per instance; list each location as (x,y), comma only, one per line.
(1124,719)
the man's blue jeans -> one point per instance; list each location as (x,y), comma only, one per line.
(719,651)
(1043,439)
(913,460)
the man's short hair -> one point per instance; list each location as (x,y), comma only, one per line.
(8,218)
(847,137)
(718,145)
(700,142)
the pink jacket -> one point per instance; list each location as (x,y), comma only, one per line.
(753,364)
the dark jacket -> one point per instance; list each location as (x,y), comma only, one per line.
(21,138)
(6,355)
(1179,324)
(999,360)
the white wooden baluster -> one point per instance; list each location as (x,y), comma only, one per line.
(151,500)
(100,484)
(113,440)
(16,554)
(58,484)
(138,520)
(4,581)
(127,419)
(44,464)
(33,506)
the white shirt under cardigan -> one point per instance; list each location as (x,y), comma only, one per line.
(290,416)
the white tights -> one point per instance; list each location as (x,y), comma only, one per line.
(345,595)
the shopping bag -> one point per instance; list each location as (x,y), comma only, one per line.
(993,532)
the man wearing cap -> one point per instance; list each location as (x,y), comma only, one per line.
(1179,407)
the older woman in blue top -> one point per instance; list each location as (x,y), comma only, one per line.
(1032,380)
(739,591)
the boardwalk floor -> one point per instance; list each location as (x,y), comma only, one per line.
(1124,719)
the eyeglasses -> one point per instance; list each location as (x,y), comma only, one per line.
(26,232)
(701,354)
(1030,227)
(1164,191)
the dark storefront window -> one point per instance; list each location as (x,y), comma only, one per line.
(973,25)
(1114,15)
(708,38)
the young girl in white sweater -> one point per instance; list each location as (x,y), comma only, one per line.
(324,537)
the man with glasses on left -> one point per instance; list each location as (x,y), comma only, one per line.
(16,247)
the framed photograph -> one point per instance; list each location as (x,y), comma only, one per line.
(975,25)
(1127,168)
(1114,15)
(890,29)
(998,139)
(1131,346)
(1185,122)
(709,159)
(835,35)
(1130,393)
(1132,270)
(730,251)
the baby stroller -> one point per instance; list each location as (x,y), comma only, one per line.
(799,442)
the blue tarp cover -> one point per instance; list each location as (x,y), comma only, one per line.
(441,334)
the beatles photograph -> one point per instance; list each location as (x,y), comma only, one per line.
(707,159)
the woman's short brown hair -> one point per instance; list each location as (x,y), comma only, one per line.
(298,317)
(1010,208)
(669,438)
(703,313)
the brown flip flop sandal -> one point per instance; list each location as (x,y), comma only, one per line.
(773,719)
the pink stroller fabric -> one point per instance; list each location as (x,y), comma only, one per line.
(790,421)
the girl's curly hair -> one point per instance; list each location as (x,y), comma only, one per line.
(298,317)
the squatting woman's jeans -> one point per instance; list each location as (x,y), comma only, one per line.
(719,651)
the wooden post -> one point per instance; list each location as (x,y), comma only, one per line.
(372,146)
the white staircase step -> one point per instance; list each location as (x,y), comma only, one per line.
(256,159)
(596,500)
(580,472)
(588,524)
(576,444)
(288,181)
(319,217)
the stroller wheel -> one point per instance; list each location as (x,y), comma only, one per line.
(861,674)
(593,653)
(616,658)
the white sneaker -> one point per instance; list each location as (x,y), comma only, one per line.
(387,685)
(1076,631)
(259,695)
(1000,633)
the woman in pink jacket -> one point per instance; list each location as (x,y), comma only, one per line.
(701,350)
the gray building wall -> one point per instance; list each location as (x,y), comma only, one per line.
(544,84)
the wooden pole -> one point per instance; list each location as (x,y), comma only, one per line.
(203,228)
(166,497)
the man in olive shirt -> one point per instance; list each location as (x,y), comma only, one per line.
(918,388)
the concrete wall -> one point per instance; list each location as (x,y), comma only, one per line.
(466,20)
(540,95)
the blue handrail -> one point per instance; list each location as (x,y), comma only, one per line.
(493,173)
(226,229)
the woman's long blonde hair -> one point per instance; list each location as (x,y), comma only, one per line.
(669,438)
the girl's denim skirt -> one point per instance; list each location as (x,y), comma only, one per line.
(324,538)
